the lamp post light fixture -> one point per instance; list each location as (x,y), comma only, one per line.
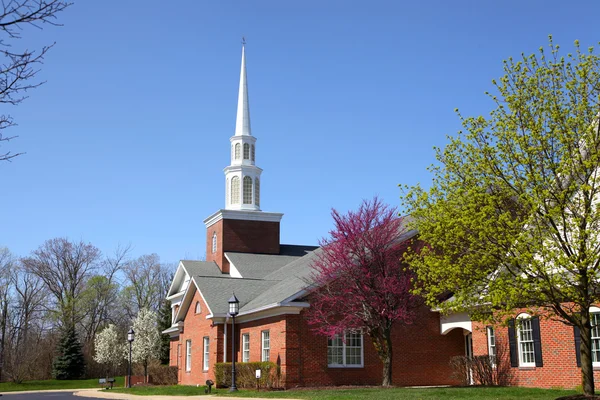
(130,339)
(234,308)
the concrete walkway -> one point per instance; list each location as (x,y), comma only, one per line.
(107,394)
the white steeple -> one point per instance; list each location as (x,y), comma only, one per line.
(242,176)
(242,122)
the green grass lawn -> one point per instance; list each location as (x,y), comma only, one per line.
(55,384)
(176,390)
(474,393)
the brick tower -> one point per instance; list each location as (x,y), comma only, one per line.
(241,226)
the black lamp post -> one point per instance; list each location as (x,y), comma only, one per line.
(130,338)
(234,308)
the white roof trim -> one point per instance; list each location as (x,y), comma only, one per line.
(243,215)
(456,320)
(178,317)
(179,267)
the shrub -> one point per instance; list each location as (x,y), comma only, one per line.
(162,374)
(246,375)
(482,369)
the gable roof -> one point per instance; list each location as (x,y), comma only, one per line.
(267,280)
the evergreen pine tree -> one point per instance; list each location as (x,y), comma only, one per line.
(164,322)
(69,364)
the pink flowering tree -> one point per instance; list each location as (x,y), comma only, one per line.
(361,283)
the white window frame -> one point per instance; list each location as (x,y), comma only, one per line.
(265,347)
(246,347)
(198,308)
(257,192)
(522,319)
(344,363)
(595,335)
(247,190)
(491,342)
(214,242)
(188,355)
(206,353)
(246,151)
(237,151)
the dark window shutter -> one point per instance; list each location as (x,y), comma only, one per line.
(577,335)
(537,341)
(512,342)
(487,334)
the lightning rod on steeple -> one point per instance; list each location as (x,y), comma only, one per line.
(243,40)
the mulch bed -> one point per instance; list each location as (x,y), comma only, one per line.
(579,397)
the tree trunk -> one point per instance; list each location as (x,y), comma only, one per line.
(587,370)
(3,339)
(383,346)
(146,371)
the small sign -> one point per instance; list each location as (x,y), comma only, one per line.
(258,374)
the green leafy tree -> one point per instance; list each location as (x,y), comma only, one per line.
(512,217)
(69,364)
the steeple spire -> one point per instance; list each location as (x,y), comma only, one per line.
(242,122)
(242,176)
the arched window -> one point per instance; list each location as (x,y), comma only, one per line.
(214,242)
(232,151)
(235,190)
(227,192)
(198,308)
(247,190)
(257,192)
(237,151)
(253,153)
(246,151)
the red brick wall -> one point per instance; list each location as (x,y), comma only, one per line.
(196,327)
(421,356)
(558,355)
(241,236)
(173,344)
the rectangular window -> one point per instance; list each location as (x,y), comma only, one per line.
(206,359)
(188,355)
(526,351)
(246,347)
(491,336)
(347,352)
(595,339)
(266,345)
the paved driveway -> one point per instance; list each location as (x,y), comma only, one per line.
(39,395)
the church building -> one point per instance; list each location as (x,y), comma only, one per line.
(244,256)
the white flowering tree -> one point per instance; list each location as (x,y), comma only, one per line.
(146,345)
(109,348)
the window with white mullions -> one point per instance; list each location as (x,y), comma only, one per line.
(266,345)
(345,352)
(188,355)
(491,336)
(526,350)
(246,347)
(205,360)
(246,151)
(595,317)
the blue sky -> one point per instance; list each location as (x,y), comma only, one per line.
(127,140)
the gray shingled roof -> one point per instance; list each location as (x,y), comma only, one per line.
(290,279)
(267,279)
(202,268)
(217,291)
